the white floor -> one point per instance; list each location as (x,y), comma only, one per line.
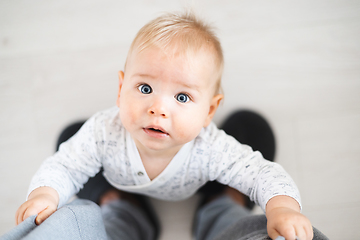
(295,62)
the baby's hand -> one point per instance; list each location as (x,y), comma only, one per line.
(289,224)
(284,219)
(42,201)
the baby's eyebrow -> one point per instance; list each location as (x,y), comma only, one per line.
(189,85)
(178,81)
(143,75)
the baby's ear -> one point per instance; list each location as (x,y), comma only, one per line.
(213,107)
(121,80)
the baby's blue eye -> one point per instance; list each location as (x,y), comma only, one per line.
(182,97)
(145,89)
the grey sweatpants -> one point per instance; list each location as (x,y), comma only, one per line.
(221,219)
(81,219)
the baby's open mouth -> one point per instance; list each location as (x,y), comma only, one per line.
(156,130)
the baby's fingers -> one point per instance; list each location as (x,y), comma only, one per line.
(301,234)
(286,233)
(305,233)
(295,233)
(30,211)
(43,215)
(23,212)
(20,214)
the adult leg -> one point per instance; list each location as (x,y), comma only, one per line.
(215,216)
(254,228)
(224,218)
(21,230)
(84,220)
(124,220)
(78,220)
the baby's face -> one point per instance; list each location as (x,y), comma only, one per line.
(165,101)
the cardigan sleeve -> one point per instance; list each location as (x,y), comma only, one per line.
(237,165)
(69,169)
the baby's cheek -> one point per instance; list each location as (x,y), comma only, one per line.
(126,114)
(188,131)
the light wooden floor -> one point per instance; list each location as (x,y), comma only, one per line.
(297,63)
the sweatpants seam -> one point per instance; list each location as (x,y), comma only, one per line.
(77,222)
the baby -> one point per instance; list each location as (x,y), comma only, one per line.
(160,140)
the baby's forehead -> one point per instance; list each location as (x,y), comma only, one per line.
(175,50)
(187,56)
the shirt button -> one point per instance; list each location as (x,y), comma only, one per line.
(140,174)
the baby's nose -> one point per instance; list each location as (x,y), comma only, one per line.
(158,108)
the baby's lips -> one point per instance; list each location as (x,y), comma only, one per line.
(156,132)
(157,129)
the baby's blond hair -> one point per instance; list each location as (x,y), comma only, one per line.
(180,32)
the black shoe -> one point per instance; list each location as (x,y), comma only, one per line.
(68,132)
(251,129)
